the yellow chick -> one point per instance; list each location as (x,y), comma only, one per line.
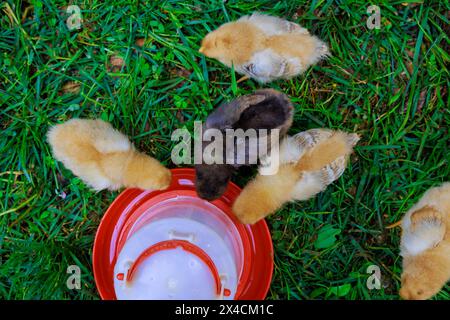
(103,157)
(263,47)
(309,162)
(425,245)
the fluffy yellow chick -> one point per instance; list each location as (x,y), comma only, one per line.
(425,245)
(103,157)
(309,162)
(264,47)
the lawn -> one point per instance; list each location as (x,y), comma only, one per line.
(136,65)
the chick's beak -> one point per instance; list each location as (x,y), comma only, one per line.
(201,50)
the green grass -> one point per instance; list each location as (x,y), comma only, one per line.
(389,85)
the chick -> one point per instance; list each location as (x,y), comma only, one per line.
(103,157)
(309,162)
(425,245)
(264,109)
(264,48)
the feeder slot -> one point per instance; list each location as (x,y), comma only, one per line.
(176,235)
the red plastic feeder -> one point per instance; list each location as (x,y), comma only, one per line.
(171,244)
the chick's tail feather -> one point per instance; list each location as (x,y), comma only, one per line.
(325,152)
